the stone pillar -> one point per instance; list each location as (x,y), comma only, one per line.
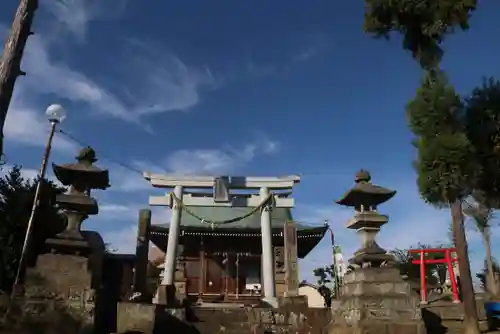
(173,239)
(141,251)
(291,265)
(279,271)
(267,248)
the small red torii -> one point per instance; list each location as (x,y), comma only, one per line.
(422,261)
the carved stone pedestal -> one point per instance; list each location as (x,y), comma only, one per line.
(65,280)
(376,300)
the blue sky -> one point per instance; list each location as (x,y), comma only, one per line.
(241,88)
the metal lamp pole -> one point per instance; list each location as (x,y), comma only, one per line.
(55,114)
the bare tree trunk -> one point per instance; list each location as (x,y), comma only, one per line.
(469,300)
(491,285)
(10,67)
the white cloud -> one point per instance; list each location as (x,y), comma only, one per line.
(118,211)
(26,173)
(189,162)
(30,173)
(75,15)
(124,239)
(148,79)
(123,179)
(217,161)
(27,126)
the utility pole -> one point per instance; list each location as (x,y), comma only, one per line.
(10,66)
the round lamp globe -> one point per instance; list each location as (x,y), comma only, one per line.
(55,113)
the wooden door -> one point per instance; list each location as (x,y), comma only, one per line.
(214,277)
(192,273)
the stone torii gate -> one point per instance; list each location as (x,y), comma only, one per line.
(192,191)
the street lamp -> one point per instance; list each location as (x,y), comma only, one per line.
(55,114)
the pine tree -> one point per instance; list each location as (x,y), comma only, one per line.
(16,200)
(446,164)
(424,24)
(482,119)
(446,167)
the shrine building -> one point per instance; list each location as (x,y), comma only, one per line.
(230,241)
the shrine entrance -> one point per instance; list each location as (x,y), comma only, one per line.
(446,258)
(214,277)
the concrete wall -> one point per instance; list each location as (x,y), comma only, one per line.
(314,298)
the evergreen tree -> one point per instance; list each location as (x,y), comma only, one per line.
(446,167)
(424,24)
(16,200)
(482,119)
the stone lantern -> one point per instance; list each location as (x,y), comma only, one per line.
(374,298)
(77,204)
(364,197)
(71,263)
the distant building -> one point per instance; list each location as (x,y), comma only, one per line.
(314,298)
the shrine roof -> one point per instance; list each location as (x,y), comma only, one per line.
(278,218)
(308,236)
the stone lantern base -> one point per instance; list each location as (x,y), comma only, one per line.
(376,300)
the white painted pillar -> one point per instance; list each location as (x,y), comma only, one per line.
(173,240)
(267,248)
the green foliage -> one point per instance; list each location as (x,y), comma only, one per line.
(433,273)
(16,200)
(326,280)
(325,275)
(482,119)
(424,24)
(445,163)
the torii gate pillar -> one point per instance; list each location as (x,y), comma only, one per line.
(223,197)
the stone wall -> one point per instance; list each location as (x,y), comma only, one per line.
(439,318)
(41,316)
(135,317)
(446,317)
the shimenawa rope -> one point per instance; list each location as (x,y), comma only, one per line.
(270,198)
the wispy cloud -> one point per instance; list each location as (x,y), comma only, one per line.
(157,81)
(124,238)
(313,47)
(310,47)
(75,15)
(191,162)
(149,79)
(217,161)
(26,125)
(30,173)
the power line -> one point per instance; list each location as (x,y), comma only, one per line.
(104,156)
(135,170)
(122,164)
